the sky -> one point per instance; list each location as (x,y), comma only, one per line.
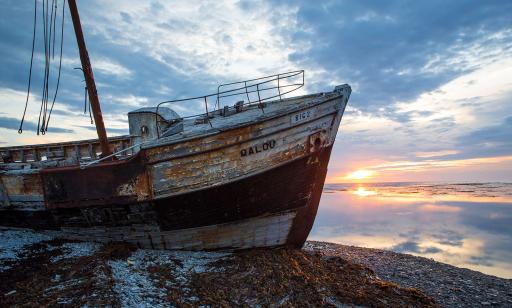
(431,80)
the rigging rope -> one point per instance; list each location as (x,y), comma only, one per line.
(20,130)
(49,20)
(85,100)
(48,49)
(90,115)
(54,22)
(85,104)
(60,60)
(45,78)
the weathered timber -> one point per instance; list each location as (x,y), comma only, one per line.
(239,180)
(254,211)
(83,149)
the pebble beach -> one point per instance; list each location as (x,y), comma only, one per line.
(38,269)
(450,286)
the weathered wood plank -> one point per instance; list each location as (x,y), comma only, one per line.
(268,230)
(57,150)
(207,143)
(218,167)
(4,197)
(237,185)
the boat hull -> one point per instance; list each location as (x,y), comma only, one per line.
(246,184)
(275,207)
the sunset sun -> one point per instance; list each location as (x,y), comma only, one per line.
(360,175)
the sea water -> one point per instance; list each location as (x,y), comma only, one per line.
(467,225)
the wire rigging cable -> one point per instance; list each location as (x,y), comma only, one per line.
(50,35)
(54,22)
(60,60)
(46,68)
(49,20)
(20,130)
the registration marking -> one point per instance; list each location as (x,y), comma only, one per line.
(302,116)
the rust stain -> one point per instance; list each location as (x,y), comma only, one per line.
(27,184)
(118,182)
(226,138)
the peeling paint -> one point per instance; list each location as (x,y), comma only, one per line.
(205,187)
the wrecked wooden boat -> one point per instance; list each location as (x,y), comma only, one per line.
(247,173)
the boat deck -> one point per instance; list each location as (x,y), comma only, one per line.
(200,126)
(172,128)
(73,152)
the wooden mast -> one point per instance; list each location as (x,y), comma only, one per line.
(89,80)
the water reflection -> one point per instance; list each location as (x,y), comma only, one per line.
(467,225)
(363,192)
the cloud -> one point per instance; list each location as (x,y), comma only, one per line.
(197,39)
(439,208)
(461,120)
(101,65)
(62,126)
(436,153)
(411,246)
(418,166)
(426,81)
(396,52)
(14,124)
(129,100)
(489,140)
(481,260)
(109,67)
(450,238)
(110,130)
(480,217)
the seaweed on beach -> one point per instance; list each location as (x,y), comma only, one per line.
(118,274)
(289,277)
(36,279)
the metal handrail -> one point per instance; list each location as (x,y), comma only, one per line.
(277,78)
(246,87)
(83,166)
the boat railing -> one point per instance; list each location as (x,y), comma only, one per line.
(108,157)
(82,150)
(257,91)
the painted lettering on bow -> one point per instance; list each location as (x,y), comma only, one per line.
(302,116)
(265,146)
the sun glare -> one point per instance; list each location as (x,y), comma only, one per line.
(360,175)
(363,192)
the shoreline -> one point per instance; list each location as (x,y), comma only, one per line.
(449,285)
(38,268)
